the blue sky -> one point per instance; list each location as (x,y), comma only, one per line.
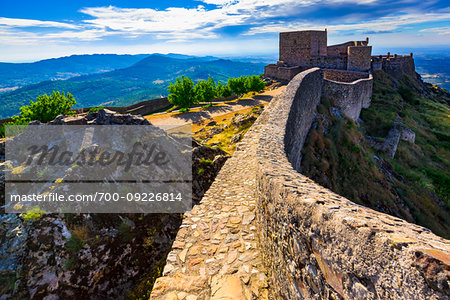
(32,30)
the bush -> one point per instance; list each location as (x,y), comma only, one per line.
(95,109)
(223,90)
(254,83)
(205,90)
(75,244)
(237,85)
(16,121)
(46,108)
(182,92)
(205,161)
(33,214)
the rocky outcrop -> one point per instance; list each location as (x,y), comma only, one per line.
(102,117)
(93,256)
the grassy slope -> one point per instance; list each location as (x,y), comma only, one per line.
(415,184)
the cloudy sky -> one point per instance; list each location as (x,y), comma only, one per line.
(32,30)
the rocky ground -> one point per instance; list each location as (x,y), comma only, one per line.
(56,256)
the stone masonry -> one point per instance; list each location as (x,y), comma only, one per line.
(319,245)
(263,230)
(215,255)
(301,50)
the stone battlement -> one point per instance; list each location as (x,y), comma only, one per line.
(396,65)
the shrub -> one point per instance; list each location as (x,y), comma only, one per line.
(182,92)
(46,108)
(206,161)
(95,109)
(237,85)
(205,90)
(33,214)
(223,90)
(13,131)
(201,171)
(74,244)
(125,231)
(254,83)
(407,94)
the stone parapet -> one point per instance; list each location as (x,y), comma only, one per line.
(349,96)
(317,244)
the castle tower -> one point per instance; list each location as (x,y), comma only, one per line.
(359,58)
(298,47)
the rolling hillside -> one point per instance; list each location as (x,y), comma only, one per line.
(146,79)
(14,75)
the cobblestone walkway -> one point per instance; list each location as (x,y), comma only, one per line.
(215,254)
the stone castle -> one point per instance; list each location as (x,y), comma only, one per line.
(263,230)
(301,50)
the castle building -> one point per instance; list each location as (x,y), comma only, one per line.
(301,50)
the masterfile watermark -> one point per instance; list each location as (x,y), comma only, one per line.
(141,154)
(97,168)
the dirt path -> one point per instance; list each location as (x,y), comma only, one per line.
(195,115)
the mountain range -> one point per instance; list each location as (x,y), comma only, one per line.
(145,77)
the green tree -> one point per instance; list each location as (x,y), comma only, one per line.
(46,108)
(254,83)
(223,90)
(182,92)
(205,90)
(237,85)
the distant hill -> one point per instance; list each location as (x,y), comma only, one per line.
(20,74)
(146,79)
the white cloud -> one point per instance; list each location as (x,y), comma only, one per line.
(194,22)
(438,30)
(34,23)
(381,24)
(176,26)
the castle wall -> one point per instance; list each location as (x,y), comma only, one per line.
(348,92)
(376,64)
(399,65)
(359,58)
(339,50)
(344,76)
(280,72)
(296,48)
(317,244)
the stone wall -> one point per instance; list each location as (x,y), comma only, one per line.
(359,58)
(344,76)
(140,108)
(395,65)
(319,245)
(349,97)
(297,48)
(281,72)
(329,62)
(341,49)
(399,65)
